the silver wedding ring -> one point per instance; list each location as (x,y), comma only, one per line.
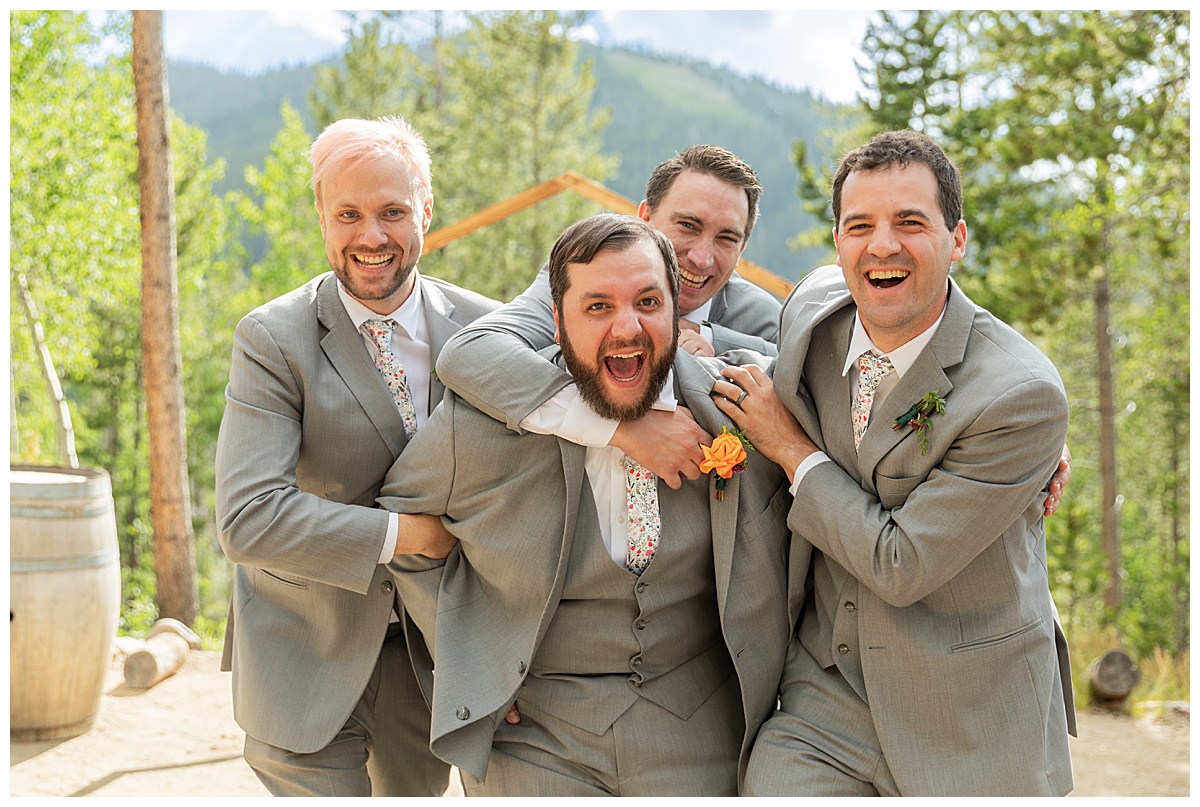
(741,398)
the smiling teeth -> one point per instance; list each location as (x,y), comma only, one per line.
(373,260)
(886,274)
(695,281)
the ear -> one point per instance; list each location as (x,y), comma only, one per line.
(554,313)
(428,214)
(959,234)
(835,246)
(643,211)
(320,216)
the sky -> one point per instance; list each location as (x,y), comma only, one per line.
(813,50)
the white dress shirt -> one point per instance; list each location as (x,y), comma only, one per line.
(902,358)
(605,473)
(410,344)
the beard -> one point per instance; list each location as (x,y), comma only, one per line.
(377,288)
(588,379)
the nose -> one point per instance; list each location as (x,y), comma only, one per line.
(700,253)
(883,242)
(626,324)
(372,234)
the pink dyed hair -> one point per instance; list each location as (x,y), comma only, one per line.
(348,142)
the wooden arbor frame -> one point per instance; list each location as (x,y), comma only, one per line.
(589,190)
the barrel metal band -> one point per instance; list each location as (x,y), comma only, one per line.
(88,561)
(104,508)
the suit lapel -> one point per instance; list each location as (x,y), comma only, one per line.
(798,330)
(347,352)
(693,384)
(928,374)
(439,318)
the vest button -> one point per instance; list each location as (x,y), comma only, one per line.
(387,586)
(637,661)
(641,624)
(850,607)
(463,713)
(843,649)
(641,586)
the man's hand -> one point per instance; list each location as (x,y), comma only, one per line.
(423,535)
(512,717)
(749,398)
(1058,483)
(666,443)
(691,341)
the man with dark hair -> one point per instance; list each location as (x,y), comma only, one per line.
(919,432)
(641,629)
(705,200)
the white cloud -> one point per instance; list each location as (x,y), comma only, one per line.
(796,49)
(252,41)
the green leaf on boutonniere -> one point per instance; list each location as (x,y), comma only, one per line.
(917,416)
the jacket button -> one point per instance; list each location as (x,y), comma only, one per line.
(463,713)
(387,586)
(843,649)
(520,666)
(641,624)
(850,607)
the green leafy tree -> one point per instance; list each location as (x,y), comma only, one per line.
(1071,131)
(74,233)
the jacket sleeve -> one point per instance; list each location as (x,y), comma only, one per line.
(493,363)
(264,519)
(920,532)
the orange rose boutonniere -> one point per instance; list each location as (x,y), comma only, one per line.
(726,456)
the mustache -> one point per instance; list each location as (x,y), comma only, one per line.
(902,259)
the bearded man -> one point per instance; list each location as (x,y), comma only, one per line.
(641,643)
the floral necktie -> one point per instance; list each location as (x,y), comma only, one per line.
(871,370)
(393,373)
(641,495)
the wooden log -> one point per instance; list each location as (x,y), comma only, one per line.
(162,656)
(163,653)
(1113,676)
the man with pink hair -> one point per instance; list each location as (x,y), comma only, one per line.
(327,385)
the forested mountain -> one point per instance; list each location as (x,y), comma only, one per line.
(658,106)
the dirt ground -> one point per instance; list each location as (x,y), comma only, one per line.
(178,738)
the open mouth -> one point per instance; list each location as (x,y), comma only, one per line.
(625,367)
(692,281)
(887,278)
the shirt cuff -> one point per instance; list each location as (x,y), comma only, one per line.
(566,415)
(389,540)
(807,464)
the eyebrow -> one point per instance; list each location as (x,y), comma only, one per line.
(734,231)
(910,213)
(596,295)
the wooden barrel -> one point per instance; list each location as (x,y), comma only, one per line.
(64,598)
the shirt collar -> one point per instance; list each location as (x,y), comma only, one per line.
(410,316)
(700,315)
(902,358)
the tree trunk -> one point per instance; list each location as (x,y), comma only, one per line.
(170,507)
(1109,505)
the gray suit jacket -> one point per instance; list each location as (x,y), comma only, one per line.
(308,433)
(964,661)
(513,500)
(742,316)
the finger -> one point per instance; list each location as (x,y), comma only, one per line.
(692,471)
(727,390)
(512,717)
(673,481)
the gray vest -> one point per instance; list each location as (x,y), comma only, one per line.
(616,637)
